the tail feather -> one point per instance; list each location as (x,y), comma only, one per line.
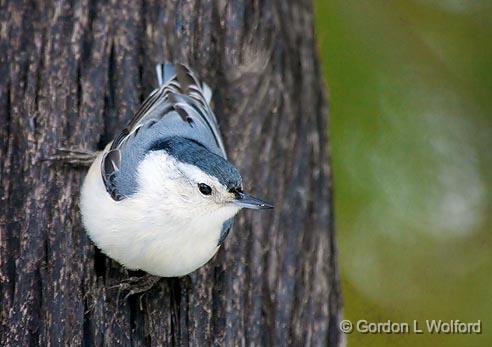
(181,82)
(207,92)
(165,72)
(185,76)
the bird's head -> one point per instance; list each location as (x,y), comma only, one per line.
(193,179)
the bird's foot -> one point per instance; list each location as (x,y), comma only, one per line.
(73,156)
(136,285)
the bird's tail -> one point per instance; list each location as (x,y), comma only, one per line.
(168,71)
(183,88)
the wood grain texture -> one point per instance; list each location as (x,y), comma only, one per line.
(71,74)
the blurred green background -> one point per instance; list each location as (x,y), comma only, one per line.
(410,89)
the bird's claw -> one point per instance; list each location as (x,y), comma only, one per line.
(73,156)
(136,285)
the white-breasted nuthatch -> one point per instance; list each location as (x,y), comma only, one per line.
(162,196)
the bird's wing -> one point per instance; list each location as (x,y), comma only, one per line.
(180,106)
(226,228)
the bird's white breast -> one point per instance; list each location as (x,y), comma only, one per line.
(150,230)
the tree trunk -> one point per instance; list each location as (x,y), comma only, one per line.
(71,74)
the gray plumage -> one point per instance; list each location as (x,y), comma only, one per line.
(177,118)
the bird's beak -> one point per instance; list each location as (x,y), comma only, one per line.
(248,201)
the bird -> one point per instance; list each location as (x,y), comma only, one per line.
(162,196)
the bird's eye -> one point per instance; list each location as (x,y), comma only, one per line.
(204,189)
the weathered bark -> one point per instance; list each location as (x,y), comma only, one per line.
(71,74)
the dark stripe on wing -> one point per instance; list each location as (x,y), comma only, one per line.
(111,164)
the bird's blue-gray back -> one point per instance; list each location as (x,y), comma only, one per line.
(168,112)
